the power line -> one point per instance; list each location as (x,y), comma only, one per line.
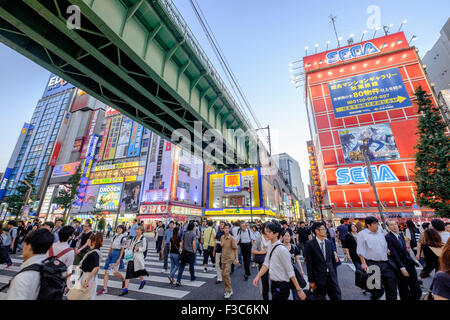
(237,89)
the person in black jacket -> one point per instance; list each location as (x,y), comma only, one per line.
(350,242)
(404,266)
(319,257)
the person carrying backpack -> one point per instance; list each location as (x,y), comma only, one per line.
(39,278)
(114,258)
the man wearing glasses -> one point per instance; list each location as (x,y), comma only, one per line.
(319,257)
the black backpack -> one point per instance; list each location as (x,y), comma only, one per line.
(53,278)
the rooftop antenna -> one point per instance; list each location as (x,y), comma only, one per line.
(333,22)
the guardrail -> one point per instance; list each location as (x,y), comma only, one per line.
(177,18)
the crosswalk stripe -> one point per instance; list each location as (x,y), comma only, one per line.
(172,293)
(151,278)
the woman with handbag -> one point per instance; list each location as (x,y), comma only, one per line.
(259,250)
(136,266)
(87,271)
(295,260)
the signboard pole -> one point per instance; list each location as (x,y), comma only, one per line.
(365,150)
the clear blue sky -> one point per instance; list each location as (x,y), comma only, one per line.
(259,39)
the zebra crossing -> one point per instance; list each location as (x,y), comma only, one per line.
(157,283)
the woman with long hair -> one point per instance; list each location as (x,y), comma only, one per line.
(350,240)
(412,234)
(89,266)
(136,267)
(295,257)
(174,250)
(432,249)
(441,280)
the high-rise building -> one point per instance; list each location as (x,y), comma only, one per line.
(290,169)
(37,142)
(363,94)
(437,60)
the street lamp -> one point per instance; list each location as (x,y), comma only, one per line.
(401,25)
(365,151)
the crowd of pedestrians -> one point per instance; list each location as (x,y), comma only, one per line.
(275,248)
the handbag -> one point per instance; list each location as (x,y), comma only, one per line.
(312,295)
(301,281)
(128,255)
(259,258)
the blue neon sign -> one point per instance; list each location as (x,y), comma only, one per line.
(358,175)
(351,53)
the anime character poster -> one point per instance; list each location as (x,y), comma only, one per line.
(381,143)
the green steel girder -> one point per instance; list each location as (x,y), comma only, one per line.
(99,60)
(110,34)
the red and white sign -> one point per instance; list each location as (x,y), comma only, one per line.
(153,209)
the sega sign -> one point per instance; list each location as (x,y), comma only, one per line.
(358,175)
(351,53)
(55,85)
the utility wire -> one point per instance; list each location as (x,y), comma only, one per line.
(222,60)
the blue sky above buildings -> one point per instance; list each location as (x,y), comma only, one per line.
(259,39)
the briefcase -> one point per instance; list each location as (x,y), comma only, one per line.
(361,279)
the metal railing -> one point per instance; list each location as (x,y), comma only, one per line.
(172,12)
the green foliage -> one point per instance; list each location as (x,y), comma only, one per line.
(16,201)
(432,174)
(101,224)
(67,195)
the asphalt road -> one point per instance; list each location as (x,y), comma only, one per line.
(204,288)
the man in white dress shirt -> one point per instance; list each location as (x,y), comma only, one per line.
(372,248)
(278,263)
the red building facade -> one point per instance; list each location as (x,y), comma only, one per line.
(366,91)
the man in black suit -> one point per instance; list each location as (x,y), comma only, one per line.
(319,253)
(403,264)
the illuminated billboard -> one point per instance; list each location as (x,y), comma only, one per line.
(381,143)
(68,169)
(109,196)
(370,92)
(232,183)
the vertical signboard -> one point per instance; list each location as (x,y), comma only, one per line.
(134,148)
(86,169)
(124,138)
(104,140)
(174,180)
(113,137)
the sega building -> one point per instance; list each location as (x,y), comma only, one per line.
(365,91)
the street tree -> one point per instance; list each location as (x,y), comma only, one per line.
(17,201)
(67,194)
(432,167)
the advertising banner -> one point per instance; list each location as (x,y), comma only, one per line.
(109,196)
(68,169)
(153,209)
(124,138)
(90,200)
(134,148)
(381,143)
(104,139)
(111,112)
(4,182)
(130,199)
(174,180)
(367,93)
(113,137)
(55,85)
